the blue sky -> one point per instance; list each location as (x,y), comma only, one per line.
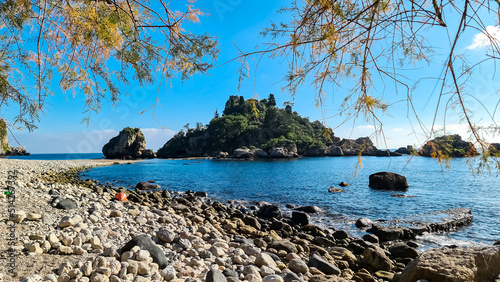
(238,22)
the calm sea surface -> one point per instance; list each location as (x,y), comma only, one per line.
(306,181)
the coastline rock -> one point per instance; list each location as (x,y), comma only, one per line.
(300,218)
(241,153)
(448,145)
(129,144)
(408,150)
(308,209)
(146,243)
(454,265)
(16,151)
(270,211)
(388,181)
(286,150)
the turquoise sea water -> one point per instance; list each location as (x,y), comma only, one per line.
(306,181)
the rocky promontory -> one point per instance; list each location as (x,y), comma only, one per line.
(259,129)
(129,144)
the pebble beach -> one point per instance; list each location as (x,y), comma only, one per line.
(60,228)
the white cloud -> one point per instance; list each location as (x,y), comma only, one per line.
(484,38)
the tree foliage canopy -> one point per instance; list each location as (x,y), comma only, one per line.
(359,43)
(92,46)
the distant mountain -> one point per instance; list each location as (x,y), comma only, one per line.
(258,129)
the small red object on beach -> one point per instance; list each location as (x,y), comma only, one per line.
(121,197)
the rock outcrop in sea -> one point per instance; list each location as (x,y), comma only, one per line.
(388,181)
(129,144)
(448,146)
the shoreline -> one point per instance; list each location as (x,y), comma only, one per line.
(198,235)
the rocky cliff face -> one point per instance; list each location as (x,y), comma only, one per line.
(130,143)
(4,141)
(448,146)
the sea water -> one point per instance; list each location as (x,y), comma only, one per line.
(306,181)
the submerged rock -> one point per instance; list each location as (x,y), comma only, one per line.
(388,181)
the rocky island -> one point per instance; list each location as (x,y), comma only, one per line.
(129,144)
(259,129)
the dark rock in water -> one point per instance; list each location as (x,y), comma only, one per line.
(323,265)
(129,144)
(343,184)
(146,243)
(285,150)
(388,181)
(460,264)
(335,190)
(363,222)
(300,218)
(291,206)
(215,275)
(408,150)
(66,204)
(290,277)
(497,243)
(269,211)
(403,251)
(308,209)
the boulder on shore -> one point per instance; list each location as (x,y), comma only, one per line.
(454,265)
(130,144)
(388,181)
